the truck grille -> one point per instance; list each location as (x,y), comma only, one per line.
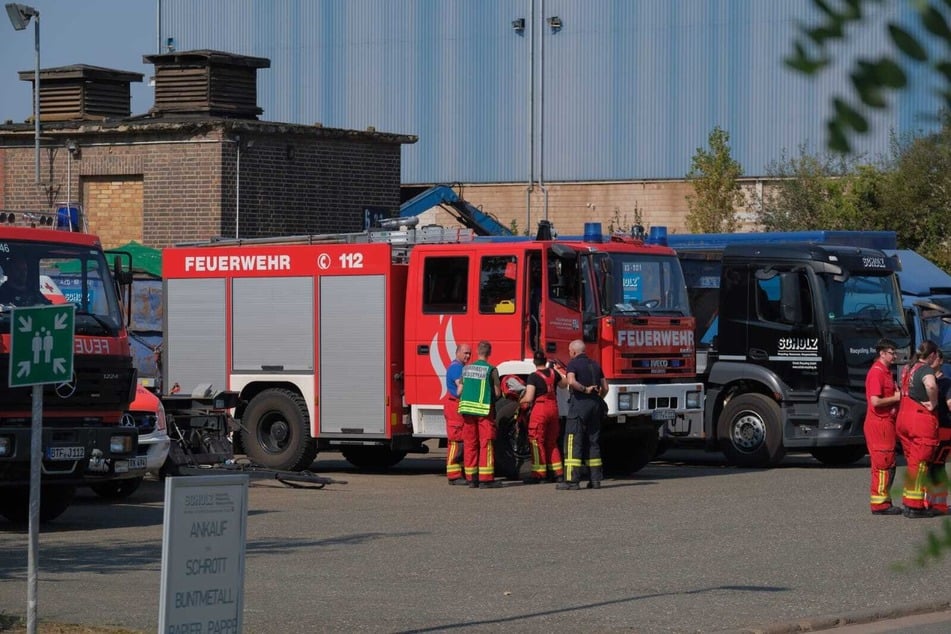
(654,365)
(102,383)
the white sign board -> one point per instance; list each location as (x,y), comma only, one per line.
(203,555)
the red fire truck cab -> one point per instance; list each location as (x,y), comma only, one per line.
(84,441)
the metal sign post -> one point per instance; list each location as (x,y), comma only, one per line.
(41,351)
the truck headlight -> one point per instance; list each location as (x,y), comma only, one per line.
(838,415)
(624,401)
(121,444)
(693,400)
(6,446)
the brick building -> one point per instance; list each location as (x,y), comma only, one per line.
(199,164)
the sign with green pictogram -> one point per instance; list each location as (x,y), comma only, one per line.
(42,344)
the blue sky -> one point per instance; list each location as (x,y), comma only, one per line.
(110,33)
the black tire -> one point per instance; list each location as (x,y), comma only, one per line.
(750,431)
(839,456)
(511,450)
(116,489)
(54,500)
(372,457)
(624,455)
(275,431)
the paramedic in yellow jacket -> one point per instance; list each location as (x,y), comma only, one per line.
(480,390)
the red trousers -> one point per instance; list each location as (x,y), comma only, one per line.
(918,432)
(478,432)
(543,437)
(453,438)
(880,440)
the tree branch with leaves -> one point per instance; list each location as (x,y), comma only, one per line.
(872,80)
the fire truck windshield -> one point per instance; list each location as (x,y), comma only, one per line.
(639,283)
(37,274)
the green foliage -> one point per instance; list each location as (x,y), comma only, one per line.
(872,80)
(812,191)
(714,174)
(909,193)
(917,194)
(932,550)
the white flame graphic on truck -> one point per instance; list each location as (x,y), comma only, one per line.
(440,359)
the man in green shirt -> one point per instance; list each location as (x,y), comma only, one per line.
(480,390)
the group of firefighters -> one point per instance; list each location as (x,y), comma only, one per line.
(472,389)
(916,413)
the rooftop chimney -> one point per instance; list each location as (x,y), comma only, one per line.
(81,92)
(206,83)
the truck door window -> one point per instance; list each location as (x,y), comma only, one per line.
(563,281)
(767,298)
(497,284)
(770,293)
(445,284)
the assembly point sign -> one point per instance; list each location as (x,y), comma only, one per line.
(42,347)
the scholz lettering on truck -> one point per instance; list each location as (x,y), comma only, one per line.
(794,344)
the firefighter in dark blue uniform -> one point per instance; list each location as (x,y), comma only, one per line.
(587,385)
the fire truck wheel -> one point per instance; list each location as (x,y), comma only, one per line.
(750,431)
(275,431)
(54,500)
(373,457)
(116,489)
(512,452)
(839,456)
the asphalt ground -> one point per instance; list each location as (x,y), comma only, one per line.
(686,545)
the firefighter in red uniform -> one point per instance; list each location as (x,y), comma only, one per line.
(480,390)
(453,417)
(918,428)
(541,397)
(937,497)
(882,397)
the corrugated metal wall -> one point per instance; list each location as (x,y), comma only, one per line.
(624,90)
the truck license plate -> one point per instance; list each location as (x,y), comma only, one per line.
(663,414)
(65,453)
(132,464)
(137,463)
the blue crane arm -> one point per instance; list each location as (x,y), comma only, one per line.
(470,216)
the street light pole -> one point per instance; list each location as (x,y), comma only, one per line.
(20,15)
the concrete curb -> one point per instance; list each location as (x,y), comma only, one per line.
(814,624)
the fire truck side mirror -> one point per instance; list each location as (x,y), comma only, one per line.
(122,274)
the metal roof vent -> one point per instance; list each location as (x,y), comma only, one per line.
(81,92)
(206,82)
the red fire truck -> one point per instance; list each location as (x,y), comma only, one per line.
(84,442)
(342,341)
